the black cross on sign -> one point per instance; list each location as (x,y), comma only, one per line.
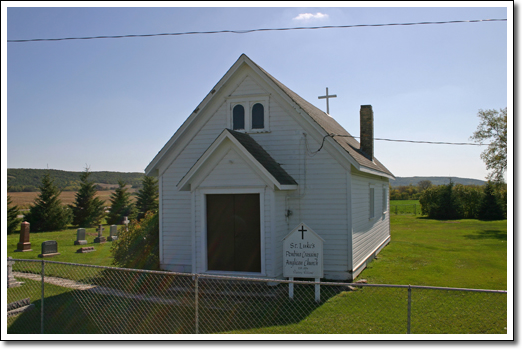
(302,230)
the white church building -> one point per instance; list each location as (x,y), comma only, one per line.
(252,162)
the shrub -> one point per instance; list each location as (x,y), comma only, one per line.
(468,199)
(139,247)
(440,202)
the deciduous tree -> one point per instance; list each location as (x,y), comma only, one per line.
(493,128)
(139,246)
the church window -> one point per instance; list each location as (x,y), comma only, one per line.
(258,116)
(238,117)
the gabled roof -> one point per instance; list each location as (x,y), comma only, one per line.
(331,126)
(323,120)
(266,166)
(263,158)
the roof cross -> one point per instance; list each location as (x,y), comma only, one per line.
(327,98)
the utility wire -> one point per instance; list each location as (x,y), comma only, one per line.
(245,31)
(395,140)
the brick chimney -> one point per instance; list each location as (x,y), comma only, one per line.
(367,131)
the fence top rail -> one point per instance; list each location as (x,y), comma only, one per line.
(254,279)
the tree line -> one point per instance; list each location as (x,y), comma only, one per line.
(49,214)
(487,202)
(28,180)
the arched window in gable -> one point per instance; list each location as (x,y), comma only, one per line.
(258,116)
(238,117)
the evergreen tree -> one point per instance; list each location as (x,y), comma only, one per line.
(87,209)
(13,221)
(48,213)
(147,196)
(121,205)
(490,207)
(447,205)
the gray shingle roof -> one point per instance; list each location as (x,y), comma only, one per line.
(263,158)
(331,126)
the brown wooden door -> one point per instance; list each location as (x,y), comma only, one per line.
(233,232)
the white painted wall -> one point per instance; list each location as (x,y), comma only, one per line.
(368,233)
(321,201)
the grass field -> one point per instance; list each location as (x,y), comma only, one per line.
(24,199)
(462,253)
(405,207)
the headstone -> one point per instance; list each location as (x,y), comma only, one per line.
(303,257)
(49,249)
(100,239)
(113,233)
(24,245)
(80,237)
(126,222)
(11,281)
(85,249)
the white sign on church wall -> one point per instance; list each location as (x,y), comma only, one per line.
(303,253)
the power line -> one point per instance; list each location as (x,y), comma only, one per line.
(245,31)
(396,140)
(408,141)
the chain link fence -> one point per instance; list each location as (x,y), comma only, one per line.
(56,297)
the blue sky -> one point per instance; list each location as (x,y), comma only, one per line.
(114,103)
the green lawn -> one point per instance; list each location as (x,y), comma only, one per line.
(66,247)
(462,253)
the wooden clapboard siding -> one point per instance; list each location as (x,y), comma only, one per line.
(322,201)
(177,205)
(368,233)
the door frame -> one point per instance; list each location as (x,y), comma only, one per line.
(203,219)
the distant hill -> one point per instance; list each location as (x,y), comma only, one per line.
(25,179)
(434,180)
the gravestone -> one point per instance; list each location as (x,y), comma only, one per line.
(80,237)
(100,239)
(113,233)
(11,281)
(24,245)
(126,222)
(49,249)
(85,249)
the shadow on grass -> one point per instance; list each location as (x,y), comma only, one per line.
(488,234)
(167,306)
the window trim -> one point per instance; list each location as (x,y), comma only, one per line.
(371,204)
(248,102)
(385,200)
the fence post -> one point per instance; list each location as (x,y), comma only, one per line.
(409,309)
(396,209)
(197,306)
(42,299)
